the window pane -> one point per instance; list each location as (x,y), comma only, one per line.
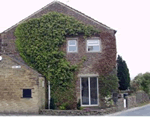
(90,48)
(27,93)
(93,48)
(96,48)
(85,91)
(93,42)
(72,42)
(93,90)
(72,48)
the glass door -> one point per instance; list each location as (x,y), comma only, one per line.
(93,90)
(89,91)
(85,91)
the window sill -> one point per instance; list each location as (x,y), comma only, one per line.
(94,52)
(89,105)
(72,52)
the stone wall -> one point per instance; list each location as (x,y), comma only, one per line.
(78,112)
(12,82)
(141,97)
(120,104)
(131,101)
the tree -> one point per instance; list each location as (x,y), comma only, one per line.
(141,82)
(123,74)
(136,82)
(146,83)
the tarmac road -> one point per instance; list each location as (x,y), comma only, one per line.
(138,111)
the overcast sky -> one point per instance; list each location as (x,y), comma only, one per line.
(131,19)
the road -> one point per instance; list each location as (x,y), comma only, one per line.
(138,111)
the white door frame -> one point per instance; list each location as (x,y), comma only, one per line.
(89,91)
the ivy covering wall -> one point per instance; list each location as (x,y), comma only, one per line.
(39,41)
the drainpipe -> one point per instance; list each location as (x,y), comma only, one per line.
(49,97)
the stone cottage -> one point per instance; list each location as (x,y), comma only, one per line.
(23,90)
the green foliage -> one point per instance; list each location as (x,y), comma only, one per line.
(108,101)
(136,83)
(108,84)
(65,106)
(39,42)
(146,83)
(141,82)
(123,74)
(62,107)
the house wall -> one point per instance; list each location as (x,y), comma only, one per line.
(12,82)
(42,93)
(90,66)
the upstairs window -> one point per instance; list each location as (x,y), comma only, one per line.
(72,45)
(93,45)
(27,93)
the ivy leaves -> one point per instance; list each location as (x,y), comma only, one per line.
(39,41)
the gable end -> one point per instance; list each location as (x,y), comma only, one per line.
(65,9)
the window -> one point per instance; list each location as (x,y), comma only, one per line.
(27,93)
(93,45)
(72,45)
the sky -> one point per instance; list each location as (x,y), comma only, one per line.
(131,19)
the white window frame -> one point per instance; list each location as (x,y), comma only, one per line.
(76,45)
(98,44)
(89,92)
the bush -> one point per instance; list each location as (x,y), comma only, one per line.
(141,82)
(65,106)
(108,84)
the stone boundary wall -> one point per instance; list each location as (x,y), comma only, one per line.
(86,111)
(120,104)
(131,101)
(78,112)
(141,97)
